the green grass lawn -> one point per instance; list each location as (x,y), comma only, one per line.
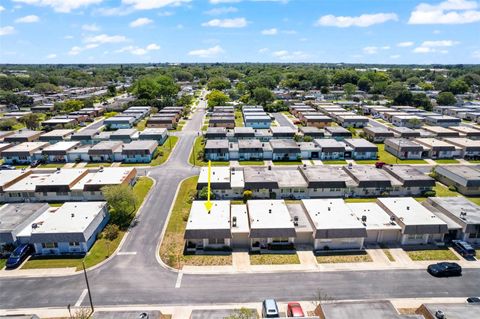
(443,191)
(164,151)
(430,254)
(280,163)
(447,161)
(238,118)
(386,157)
(171,250)
(363,162)
(141,125)
(274,259)
(474,161)
(58,204)
(98,164)
(360,200)
(2,263)
(21,166)
(101,249)
(205,127)
(252,163)
(334,162)
(343,257)
(52,165)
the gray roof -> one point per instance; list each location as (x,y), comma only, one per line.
(216,144)
(259,177)
(454,310)
(363,310)
(152,314)
(468,176)
(337,130)
(330,145)
(15,217)
(325,176)
(362,145)
(460,209)
(371,177)
(284,145)
(410,176)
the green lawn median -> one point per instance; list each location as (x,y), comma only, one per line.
(252,163)
(447,161)
(171,250)
(334,162)
(101,249)
(274,259)
(285,163)
(343,257)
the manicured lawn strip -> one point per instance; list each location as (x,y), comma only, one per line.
(52,165)
(95,164)
(360,200)
(475,200)
(2,263)
(274,259)
(447,161)
(164,151)
(56,204)
(238,118)
(334,162)
(205,127)
(171,250)
(387,252)
(343,257)
(252,163)
(102,248)
(363,162)
(434,253)
(284,163)
(386,157)
(443,191)
(141,125)
(474,161)
(21,166)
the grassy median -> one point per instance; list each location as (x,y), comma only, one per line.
(171,250)
(343,257)
(274,259)
(2,263)
(100,250)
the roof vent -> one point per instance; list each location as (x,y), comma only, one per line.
(440,314)
(408,207)
(269,167)
(364,219)
(295,220)
(329,209)
(234,221)
(72,215)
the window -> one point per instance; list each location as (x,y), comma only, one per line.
(50,245)
(415,236)
(216,241)
(280,240)
(74,244)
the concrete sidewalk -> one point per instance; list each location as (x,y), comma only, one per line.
(31,273)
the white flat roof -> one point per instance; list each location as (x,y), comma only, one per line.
(377,218)
(269,214)
(109,176)
(28,183)
(409,211)
(71,217)
(62,177)
(241,214)
(61,146)
(217,218)
(27,147)
(330,213)
(218,175)
(236,178)
(6,176)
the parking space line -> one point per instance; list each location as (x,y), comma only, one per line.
(179,280)
(127,253)
(80,299)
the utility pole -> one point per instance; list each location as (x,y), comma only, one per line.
(88,287)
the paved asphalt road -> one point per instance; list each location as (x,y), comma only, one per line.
(139,279)
(283,121)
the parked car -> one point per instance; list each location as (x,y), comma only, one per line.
(444,269)
(295,310)
(463,248)
(475,300)
(379,164)
(6,167)
(18,256)
(270,309)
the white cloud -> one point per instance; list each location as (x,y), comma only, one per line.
(68,37)
(153,4)
(263,50)
(51,56)
(272,31)
(91,27)
(105,38)
(139,51)
(7,30)
(226,23)
(476,54)
(364,20)
(374,49)
(435,46)
(77,49)
(2,8)
(28,19)
(446,12)
(221,10)
(61,5)
(285,55)
(140,22)
(405,44)
(207,53)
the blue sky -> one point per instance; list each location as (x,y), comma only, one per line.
(123,31)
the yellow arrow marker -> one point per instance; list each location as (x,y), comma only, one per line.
(208,204)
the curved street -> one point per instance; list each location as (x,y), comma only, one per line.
(138,279)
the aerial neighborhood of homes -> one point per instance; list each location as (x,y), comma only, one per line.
(72,228)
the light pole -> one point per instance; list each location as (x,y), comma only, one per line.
(88,287)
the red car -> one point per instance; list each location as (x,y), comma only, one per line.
(379,164)
(295,310)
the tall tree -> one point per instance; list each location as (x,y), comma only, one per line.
(263,96)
